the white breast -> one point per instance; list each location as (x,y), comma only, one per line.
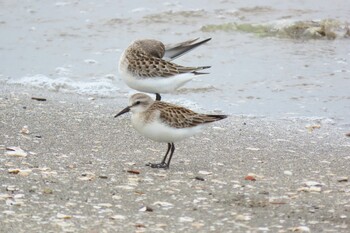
(160,132)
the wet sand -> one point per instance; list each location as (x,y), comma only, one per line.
(243,174)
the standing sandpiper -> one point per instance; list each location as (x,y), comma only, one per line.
(146,66)
(165,122)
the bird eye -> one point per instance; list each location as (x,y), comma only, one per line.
(137,102)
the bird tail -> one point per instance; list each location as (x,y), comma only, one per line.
(217,117)
(200,68)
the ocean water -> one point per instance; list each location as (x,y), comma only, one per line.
(284,59)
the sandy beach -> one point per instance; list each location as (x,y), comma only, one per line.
(279,163)
(81,170)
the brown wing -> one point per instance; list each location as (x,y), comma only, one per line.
(144,65)
(180,117)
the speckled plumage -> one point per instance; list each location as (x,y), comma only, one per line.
(165,122)
(146,65)
(180,117)
(144,59)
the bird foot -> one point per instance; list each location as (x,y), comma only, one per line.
(158,165)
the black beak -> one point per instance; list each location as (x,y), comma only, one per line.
(125,110)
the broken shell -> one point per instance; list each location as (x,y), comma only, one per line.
(186,219)
(118,217)
(311,128)
(12,188)
(163,204)
(205,173)
(24,130)
(15,151)
(252,148)
(313,183)
(251,178)
(146,208)
(343,179)
(63,216)
(243,217)
(300,229)
(136,172)
(13,171)
(22,172)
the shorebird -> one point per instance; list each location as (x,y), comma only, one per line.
(165,122)
(146,66)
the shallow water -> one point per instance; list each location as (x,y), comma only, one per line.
(74,46)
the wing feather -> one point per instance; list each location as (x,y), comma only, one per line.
(180,117)
(144,65)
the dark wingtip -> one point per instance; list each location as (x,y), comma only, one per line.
(206,40)
(221,116)
(201,68)
(199,73)
(218,117)
(205,67)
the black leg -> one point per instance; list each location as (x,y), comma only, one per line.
(162,164)
(167,152)
(158,97)
(171,154)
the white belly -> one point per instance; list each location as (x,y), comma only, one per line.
(152,84)
(160,132)
(156,84)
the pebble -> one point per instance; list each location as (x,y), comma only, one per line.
(288,173)
(244,217)
(205,173)
(252,148)
(186,219)
(199,178)
(38,99)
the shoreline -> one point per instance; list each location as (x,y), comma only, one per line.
(75,174)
